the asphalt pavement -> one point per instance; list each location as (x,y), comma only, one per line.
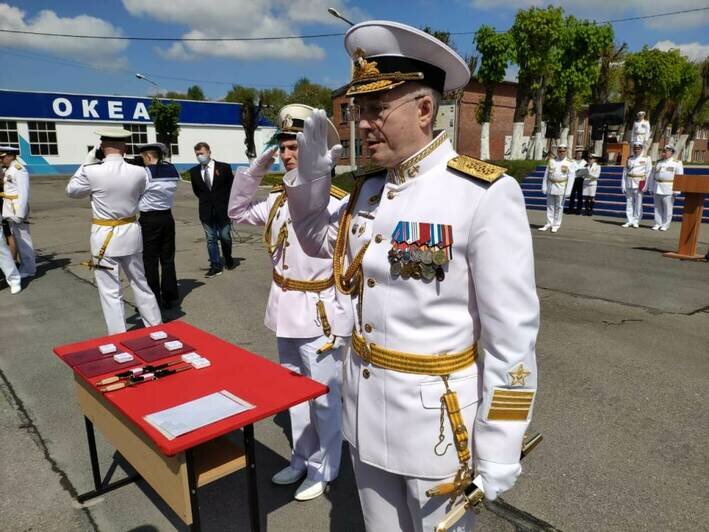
(622,356)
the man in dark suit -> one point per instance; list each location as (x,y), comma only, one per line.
(211,183)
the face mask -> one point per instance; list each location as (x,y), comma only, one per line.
(203,159)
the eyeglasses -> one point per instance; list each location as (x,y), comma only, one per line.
(374,110)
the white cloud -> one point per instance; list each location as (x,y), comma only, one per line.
(243,18)
(612,9)
(99,52)
(693,50)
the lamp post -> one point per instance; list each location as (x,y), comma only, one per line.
(141,76)
(353,129)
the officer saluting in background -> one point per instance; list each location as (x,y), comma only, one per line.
(157,224)
(115,187)
(436,252)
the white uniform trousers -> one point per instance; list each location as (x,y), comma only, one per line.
(21,232)
(7,263)
(663,209)
(555,210)
(316,426)
(634,206)
(111,295)
(393,502)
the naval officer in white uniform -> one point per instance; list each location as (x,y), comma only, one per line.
(660,185)
(115,188)
(636,170)
(16,207)
(556,185)
(436,253)
(303,309)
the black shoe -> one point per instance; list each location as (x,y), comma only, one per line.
(229,264)
(213,272)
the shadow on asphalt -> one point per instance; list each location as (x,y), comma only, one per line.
(618,223)
(656,250)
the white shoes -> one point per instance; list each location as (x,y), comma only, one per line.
(15,288)
(287,475)
(545,227)
(626,224)
(655,227)
(310,489)
(554,229)
(663,228)
(636,225)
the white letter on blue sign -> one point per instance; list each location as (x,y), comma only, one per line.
(115,109)
(61,107)
(88,108)
(140,111)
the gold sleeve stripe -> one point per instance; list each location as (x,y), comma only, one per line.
(498,404)
(508,415)
(512,394)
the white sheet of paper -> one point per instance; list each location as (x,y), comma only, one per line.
(184,418)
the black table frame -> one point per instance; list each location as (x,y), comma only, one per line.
(252,488)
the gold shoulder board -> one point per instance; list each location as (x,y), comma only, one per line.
(277,188)
(337,192)
(476,168)
(18,166)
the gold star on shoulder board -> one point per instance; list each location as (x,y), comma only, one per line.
(519,375)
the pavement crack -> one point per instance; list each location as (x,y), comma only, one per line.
(28,424)
(621,322)
(523,521)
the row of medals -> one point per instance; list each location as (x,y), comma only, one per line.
(418,263)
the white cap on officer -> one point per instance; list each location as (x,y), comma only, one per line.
(9,150)
(387,54)
(669,147)
(291,120)
(637,144)
(154,146)
(641,113)
(113,133)
(562,147)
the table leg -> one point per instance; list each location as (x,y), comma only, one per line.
(254,513)
(99,489)
(192,486)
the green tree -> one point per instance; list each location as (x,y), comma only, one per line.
(608,86)
(536,34)
(273,100)
(696,110)
(443,36)
(496,51)
(195,92)
(309,93)
(166,118)
(251,104)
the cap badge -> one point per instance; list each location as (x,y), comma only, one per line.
(287,122)
(363,69)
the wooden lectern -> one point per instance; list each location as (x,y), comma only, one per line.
(694,187)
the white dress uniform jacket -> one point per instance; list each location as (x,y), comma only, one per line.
(558,177)
(663,175)
(115,188)
(590,182)
(641,132)
(636,170)
(291,313)
(488,296)
(16,182)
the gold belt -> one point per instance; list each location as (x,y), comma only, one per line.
(665,180)
(439,365)
(302,286)
(559,182)
(90,264)
(114,223)
(8,196)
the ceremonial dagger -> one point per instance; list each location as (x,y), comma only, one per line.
(473,493)
(140,379)
(123,375)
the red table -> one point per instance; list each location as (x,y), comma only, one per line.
(176,468)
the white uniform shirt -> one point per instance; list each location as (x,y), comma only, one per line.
(581,170)
(558,177)
(115,188)
(590,182)
(159,195)
(16,182)
(662,176)
(488,296)
(291,313)
(641,132)
(636,170)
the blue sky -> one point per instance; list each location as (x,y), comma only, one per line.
(108,67)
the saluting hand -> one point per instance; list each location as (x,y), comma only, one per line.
(262,164)
(315,160)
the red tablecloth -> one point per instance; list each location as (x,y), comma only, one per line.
(268,386)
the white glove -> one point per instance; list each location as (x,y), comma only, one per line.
(15,219)
(91,156)
(496,477)
(314,158)
(262,164)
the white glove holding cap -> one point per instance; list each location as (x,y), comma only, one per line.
(262,164)
(315,160)
(91,156)
(497,478)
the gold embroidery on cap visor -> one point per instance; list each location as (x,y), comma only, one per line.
(510,405)
(366,77)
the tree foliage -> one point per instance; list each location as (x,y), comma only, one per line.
(166,118)
(195,92)
(496,52)
(309,93)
